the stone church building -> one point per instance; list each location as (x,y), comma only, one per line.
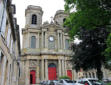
(46,48)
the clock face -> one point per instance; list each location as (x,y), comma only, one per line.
(51,38)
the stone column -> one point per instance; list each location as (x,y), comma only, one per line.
(46,40)
(46,69)
(61,40)
(58,41)
(42,39)
(59,64)
(75,75)
(42,69)
(28,41)
(37,72)
(95,74)
(63,68)
(3,71)
(27,73)
(38,41)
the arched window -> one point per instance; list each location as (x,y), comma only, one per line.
(64,21)
(52,65)
(33,42)
(34,19)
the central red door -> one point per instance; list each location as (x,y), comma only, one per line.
(69,74)
(32,77)
(52,72)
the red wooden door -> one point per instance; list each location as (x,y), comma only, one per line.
(69,74)
(52,73)
(32,77)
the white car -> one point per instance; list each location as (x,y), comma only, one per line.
(65,82)
(88,81)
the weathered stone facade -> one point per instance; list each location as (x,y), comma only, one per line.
(9,44)
(46,45)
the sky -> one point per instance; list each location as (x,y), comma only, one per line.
(49,8)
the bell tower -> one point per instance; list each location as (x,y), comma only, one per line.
(33,16)
(60,17)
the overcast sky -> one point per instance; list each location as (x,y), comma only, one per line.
(48,6)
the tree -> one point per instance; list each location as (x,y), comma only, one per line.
(89,14)
(88,54)
(107,52)
(90,23)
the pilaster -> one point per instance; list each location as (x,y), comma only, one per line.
(61,40)
(42,45)
(59,64)
(63,67)
(3,71)
(27,74)
(38,40)
(46,69)
(37,72)
(46,42)
(58,40)
(42,69)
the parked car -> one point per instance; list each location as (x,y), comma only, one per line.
(55,82)
(88,81)
(52,82)
(65,82)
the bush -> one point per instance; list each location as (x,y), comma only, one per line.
(108,84)
(64,77)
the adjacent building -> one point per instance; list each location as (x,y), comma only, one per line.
(9,44)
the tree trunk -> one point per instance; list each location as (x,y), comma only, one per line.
(99,73)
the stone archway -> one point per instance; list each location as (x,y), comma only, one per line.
(52,71)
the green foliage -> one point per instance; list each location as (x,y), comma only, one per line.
(64,77)
(89,14)
(90,22)
(108,49)
(88,54)
(108,84)
(107,52)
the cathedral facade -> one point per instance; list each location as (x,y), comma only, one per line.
(46,48)
(46,52)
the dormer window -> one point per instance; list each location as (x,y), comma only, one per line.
(34,19)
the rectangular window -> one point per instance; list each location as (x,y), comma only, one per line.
(66,44)
(3,26)
(1,11)
(11,46)
(33,42)
(8,36)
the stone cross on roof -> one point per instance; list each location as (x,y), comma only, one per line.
(52,19)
